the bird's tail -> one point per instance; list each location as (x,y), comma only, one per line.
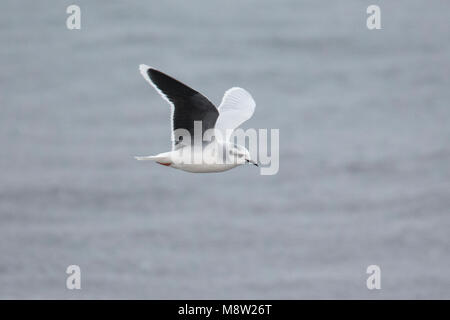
(162,158)
(143,158)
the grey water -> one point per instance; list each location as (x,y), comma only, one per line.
(364,178)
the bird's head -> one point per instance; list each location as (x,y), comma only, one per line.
(240,154)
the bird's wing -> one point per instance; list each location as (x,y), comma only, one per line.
(187,104)
(237,106)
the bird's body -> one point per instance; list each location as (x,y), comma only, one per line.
(192,111)
(214,157)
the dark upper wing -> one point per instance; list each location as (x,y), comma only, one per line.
(188,104)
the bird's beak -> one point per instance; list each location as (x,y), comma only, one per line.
(253,162)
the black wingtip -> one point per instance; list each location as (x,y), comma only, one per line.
(169,85)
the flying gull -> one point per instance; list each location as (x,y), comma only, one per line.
(191,111)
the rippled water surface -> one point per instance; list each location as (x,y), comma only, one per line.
(364,119)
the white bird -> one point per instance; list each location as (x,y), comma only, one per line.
(189,106)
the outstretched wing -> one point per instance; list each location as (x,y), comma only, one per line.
(187,104)
(237,106)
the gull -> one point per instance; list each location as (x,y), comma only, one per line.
(190,110)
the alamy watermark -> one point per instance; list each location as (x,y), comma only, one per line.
(211,148)
(374,280)
(73,281)
(373,21)
(73,21)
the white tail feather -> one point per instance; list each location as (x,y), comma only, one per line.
(143,158)
(162,157)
